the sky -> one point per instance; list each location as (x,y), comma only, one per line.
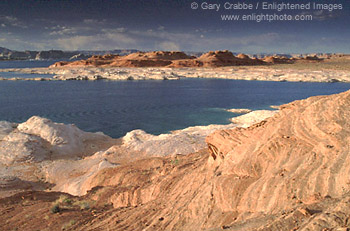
(171,25)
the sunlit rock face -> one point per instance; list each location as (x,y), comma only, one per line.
(288,171)
(299,154)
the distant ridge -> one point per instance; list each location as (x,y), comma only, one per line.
(7,54)
(54,54)
(180,59)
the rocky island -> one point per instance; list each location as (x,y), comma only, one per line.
(285,171)
(162,65)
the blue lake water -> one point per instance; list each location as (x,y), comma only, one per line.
(23,75)
(26,63)
(116,107)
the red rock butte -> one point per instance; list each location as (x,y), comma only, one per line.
(176,59)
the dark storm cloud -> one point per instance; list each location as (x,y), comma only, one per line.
(166,25)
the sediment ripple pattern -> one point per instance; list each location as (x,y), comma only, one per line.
(298,155)
(290,171)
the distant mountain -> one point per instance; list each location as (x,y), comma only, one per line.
(7,54)
(55,54)
(4,50)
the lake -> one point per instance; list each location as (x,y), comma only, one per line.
(24,64)
(117,107)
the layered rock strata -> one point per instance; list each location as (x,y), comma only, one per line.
(287,172)
(176,59)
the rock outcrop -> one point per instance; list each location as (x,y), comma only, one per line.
(278,60)
(239,110)
(66,140)
(301,155)
(20,147)
(139,59)
(6,128)
(54,54)
(39,138)
(69,158)
(252,117)
(174,59)
(287,172)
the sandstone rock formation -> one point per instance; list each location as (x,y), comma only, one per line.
(182,142)
(40,150)
(5,128)
(39,138)
(226,58)
(298,156)
(21,147)
(287,172)
(252,117)
(174,59)
(239,110)
(278,60)
(65,140)
(68,158)
(139,59)
(332,71)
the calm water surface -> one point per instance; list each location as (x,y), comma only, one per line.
(24,64)
(117,107)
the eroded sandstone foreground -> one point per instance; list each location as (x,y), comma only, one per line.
(287,172)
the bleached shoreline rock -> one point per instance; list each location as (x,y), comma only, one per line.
(6,128)
(239,110)
(161,73)
(188,140)
(252,117)
(65,140)
(69,158)
(39,138)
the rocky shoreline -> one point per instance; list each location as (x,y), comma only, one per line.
(236,73)
(177,65)
(288,171)
(52,149)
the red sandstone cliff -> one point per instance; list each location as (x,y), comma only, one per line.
(174,59)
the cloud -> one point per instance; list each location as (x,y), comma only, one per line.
(105,41)
(75,42)
(13,42)
(114,30)
(91,21)
(7,20)
(93,34)
(169,46)
(117,38)
(81,38)
(62,30)
(321,15)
